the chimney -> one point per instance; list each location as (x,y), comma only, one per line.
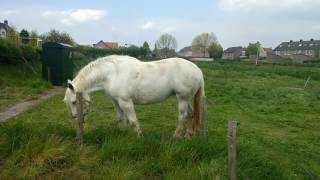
(291,41)
(6,22)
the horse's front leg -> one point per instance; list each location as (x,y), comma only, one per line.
(128,109)
(122,123)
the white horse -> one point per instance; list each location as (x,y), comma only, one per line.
(128,81)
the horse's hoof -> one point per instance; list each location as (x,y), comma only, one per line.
(176,135)
(140,135)
(122,126)
(188,135)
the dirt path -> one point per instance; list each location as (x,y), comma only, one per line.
(21,107)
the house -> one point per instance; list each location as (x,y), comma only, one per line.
(268,50)
(4,27)
(112,45)
(291,49)
(185,52)
(106,45)
(100,44)
(234,53)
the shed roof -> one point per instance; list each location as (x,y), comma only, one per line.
(54,44)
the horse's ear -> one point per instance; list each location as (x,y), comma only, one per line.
(70,85)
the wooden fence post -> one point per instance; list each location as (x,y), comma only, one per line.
(49,74)
(232,151)
(203,117)
(80,118)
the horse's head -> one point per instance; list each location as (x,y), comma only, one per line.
(71,100)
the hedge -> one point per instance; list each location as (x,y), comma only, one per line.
(12,52)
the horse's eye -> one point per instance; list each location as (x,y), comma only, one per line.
(74,102)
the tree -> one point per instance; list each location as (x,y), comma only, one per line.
(145,49)
(166,45)
(56,36)
(202,42)
(215,51)
(252,48)
(133,51)
(33,38)
(24,35)
(155,51)
(13,35)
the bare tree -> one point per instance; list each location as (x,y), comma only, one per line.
(166,45)
(203,41)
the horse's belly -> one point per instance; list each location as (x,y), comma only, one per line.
(151,95)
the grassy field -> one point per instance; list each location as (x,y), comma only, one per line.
(278,137)
(16,87)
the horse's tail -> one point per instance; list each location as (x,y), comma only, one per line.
(199,107)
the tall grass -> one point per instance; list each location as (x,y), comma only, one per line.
(17,85)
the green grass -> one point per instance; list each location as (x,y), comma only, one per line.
(16,87)
(278,136)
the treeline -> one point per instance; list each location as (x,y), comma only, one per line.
(93,53)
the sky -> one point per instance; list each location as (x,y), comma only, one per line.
(234,22)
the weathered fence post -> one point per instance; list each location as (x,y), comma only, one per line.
(202,118)
(80,120)
(232,152)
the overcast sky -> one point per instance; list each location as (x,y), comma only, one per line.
(235,22)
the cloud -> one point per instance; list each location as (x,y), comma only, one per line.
(161,25)
(148,25)
(49,13)
(7,12)
(267,5)
(71,17)
(316,27)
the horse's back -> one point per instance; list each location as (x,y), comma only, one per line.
(173,75)
(186,77)
(149,82)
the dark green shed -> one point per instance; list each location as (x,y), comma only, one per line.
(57,64)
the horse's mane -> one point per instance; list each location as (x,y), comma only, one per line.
(96,63)
(85,76)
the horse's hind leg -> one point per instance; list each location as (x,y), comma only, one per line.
(128,109)
(183,113)
(190,129)
(120,115)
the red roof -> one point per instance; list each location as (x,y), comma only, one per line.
(112,45)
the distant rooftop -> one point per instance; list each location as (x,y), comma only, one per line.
(298,45)
(233,49)
(186,49)
(4,25)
